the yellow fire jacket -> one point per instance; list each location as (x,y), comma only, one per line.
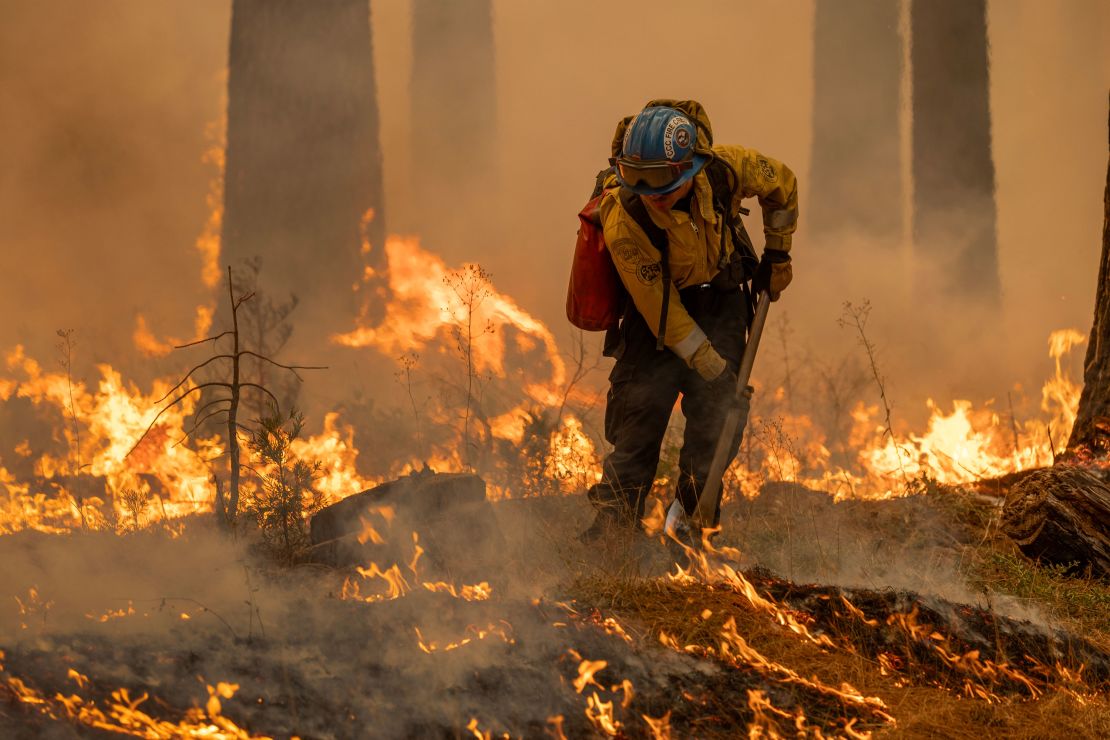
(694,241)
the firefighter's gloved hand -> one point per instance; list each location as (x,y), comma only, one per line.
(708,362)
(723,387)
(773,274)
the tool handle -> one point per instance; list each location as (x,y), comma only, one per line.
(707,501)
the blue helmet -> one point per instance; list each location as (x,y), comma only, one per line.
(657,155)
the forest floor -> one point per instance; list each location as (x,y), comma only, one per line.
(909,617)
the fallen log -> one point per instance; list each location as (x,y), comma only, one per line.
(1061,515)
(446,515)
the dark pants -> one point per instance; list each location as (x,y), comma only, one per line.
(644,385)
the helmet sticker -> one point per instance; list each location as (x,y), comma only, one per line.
(682,137)
(674,126)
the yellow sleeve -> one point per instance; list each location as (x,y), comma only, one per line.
(640,268)
(776,187)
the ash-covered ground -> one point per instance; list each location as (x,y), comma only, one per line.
(562,640)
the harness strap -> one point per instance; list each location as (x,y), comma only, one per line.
(658,237)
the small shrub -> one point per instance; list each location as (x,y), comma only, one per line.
(135,501)
(286,494)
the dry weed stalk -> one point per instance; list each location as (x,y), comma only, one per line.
(585,361)
(408,362)
(66,344)
(471,285)
(856,317)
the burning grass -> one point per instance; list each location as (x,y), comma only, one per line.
(926,697)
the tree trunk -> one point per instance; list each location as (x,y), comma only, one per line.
(454,122)
(1090,436)
(857,172)
(954,208)
(304,162)
(1061,515)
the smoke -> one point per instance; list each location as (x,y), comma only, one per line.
(910,543)
(104,195)
(103,113)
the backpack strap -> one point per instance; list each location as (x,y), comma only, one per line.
(635,208)
(724,181)
(599,181)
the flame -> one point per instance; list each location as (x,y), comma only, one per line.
(396,586)
(114,416)
(586,671)
(122,714)
(335,448)
(660,727)
(113,614)
(555,727)
(961,444)
(424,307)
(503,630)
(151,346)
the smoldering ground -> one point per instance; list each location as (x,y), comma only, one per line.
(306,661)
(172,616)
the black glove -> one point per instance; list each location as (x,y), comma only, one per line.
(773,274)
(724,388)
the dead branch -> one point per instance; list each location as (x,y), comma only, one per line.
(194,343)
(169,406)
(188,374)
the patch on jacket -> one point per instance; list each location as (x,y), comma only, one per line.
(649,274)
(629,257)
(767,170)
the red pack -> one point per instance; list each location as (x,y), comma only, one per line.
(595,297)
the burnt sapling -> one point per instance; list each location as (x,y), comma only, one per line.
(227,397)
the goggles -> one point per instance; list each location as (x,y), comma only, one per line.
(650,174)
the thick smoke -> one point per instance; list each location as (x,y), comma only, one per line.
(105,117)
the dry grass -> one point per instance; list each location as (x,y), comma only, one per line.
(648,607)
(1081,605)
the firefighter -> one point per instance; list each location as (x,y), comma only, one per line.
(681,337)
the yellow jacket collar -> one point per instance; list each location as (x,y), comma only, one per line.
(703,196)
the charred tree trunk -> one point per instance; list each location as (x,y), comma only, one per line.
(1090,437)
(857,169)
(304,164)
(1061,515)
(454,121)
(954,208)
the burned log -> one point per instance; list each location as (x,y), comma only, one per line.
(1061,515)
(446,515)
